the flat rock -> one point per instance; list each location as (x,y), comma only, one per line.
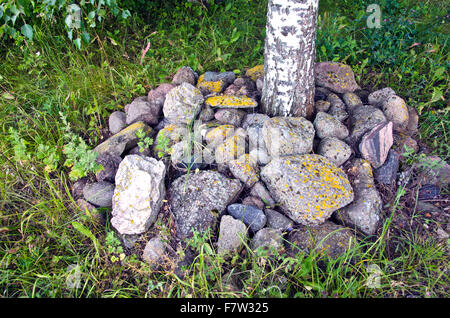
(232,235)
(328,126)
(138,194)
(197,199)
(117,121)
(253,217)
(336,150)
(230,101)
(308,187)
(99,193)
(124,140)
(337,77)
(182,104)
(246,169)
(375,144)
(288,136)
(326,239)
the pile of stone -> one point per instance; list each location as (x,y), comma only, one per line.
(278,182)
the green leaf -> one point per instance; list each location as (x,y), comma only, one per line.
(27,31)
(85,231)
(77,43)
(86,37)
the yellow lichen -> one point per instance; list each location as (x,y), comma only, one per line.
(229,101)
(255,72)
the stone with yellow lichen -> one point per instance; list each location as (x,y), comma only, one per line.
(255,72)
(210,87)
(230,101)
(166,138)
(218,135)
(327,239)
(308,187)
(337,77)
(245,168)
(232,148)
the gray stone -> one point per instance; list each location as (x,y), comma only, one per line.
(335,101)
(435,171)
(78,186)
(413,122)
(364,213)
(308,187)
(326,239)
(322,106)
(99,193)
(254,120)
(260,191)
(288,136)
(328,126)
(377,98)
(253,217)
(387,173)
(184,74)
(196,200)
(124,140)
(146,112)
(337,77)
(227,77)
(396,111)
(276,220)
(154,252)
(362,120)
(338,113)
(110,164)
(232,235)
(230,116)
(206,114)
(138,194)
(253,123)
(269,239)
(375,144)
(182,104)
(117,121)
(335,150)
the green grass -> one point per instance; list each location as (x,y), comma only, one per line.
(38,239)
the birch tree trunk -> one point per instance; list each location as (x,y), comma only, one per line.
(289,56)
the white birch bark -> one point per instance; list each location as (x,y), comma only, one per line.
(289,56)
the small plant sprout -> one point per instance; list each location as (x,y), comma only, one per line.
(144,141)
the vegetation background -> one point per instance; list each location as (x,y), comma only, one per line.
(59,83)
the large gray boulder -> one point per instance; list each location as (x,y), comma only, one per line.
(197,200)
(308,187)
(138,194)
